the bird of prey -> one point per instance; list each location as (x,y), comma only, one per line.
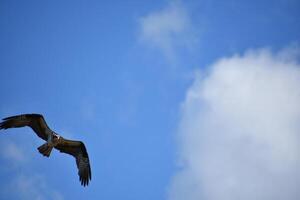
(53,140)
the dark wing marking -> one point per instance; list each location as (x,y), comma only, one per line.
(78,150)
(34,121)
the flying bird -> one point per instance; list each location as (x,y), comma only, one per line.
(53,140)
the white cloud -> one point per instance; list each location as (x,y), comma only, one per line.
(239,134)
(167,29)
(12,152)
(20,185)
(33,187)
(29,186)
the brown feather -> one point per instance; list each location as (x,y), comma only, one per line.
(78,150)
(40,127)
(34,121)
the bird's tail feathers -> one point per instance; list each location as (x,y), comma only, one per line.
(45,149)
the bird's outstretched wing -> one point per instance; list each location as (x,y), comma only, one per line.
(34,121)
(78,150)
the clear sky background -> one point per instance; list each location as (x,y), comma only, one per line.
(173,99)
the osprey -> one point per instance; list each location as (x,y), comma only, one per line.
(53,140)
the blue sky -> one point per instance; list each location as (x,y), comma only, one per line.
(117,75)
